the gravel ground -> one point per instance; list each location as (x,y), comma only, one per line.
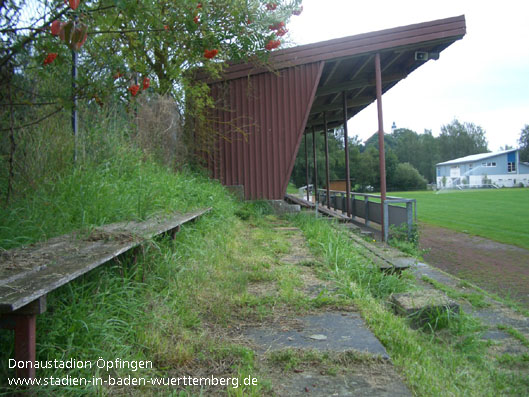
(496,267)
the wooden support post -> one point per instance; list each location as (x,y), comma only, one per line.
(346,142)
(307,167)
(327,171)
(315,168)
(382,156)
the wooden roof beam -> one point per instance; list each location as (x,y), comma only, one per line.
(319,128)
(386,67)
(338,88)
(355,75)
(361,68)
(352,103)
(332,72)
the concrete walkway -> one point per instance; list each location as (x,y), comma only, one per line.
(326,335)
(329,351)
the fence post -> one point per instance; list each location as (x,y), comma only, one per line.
(386,221)
(409,211)
(366,210)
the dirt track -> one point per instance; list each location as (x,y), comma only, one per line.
(496,267)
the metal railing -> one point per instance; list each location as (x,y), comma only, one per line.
(370,211)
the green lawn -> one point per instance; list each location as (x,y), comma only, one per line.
(498,214)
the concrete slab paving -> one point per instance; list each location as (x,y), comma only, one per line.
(333,332)
(493,315)
(312,383)
(343,331)
(422,305)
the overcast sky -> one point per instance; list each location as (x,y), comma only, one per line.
(483,78)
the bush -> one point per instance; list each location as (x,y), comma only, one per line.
(400,239)
(407,177)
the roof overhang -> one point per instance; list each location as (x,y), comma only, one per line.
(476,157)
(352,69)
(349,64)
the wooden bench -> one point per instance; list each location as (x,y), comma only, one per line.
(28,274)
(297,200)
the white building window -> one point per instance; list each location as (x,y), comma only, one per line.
(511,166)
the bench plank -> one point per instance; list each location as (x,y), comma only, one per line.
(27,273)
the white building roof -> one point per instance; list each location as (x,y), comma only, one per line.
(476,157)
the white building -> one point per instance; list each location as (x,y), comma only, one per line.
(502,169)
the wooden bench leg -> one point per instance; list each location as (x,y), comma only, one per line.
(174,231)
(25,338)
(24,322)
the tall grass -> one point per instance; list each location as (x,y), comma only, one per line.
(123,188)
(350,267)
(134,307)
(453,361)
(115,178)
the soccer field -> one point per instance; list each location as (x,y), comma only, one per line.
(497,214)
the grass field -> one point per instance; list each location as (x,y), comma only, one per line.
(499,214)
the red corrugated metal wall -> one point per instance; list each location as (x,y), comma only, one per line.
(261,119)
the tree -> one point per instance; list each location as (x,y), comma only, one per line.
(124,49)
(428,156)
(407,145)
(408,178)
(127,45)
(336,159)
(524,144)
(389,142)
(420,150)
(174,36)
(368,171)
(461,139)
